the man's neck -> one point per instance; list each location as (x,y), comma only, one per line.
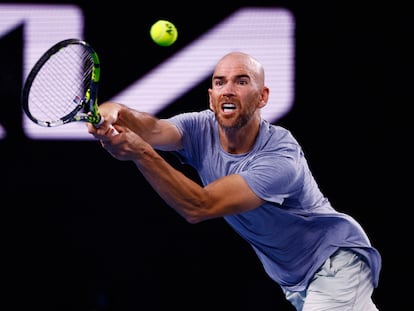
(239,141)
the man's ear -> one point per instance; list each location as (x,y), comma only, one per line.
(264,97)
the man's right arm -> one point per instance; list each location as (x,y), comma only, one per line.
(160,134)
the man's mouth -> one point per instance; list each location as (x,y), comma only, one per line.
(228,107)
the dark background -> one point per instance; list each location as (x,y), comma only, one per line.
(90,234)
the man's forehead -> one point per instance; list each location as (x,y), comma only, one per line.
(232,69)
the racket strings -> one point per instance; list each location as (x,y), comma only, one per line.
(61,83)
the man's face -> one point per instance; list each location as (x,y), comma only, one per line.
(235,94)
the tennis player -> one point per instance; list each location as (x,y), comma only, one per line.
(254,175)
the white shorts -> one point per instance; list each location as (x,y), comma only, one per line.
(343,283)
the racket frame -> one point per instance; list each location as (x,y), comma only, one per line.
(87,109)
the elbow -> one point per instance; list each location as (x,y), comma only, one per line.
(194,218)
(196,211)
(197,215)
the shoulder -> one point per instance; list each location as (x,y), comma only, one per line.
(275,135)
(191,120)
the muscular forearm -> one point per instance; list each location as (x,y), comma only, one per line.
(141,123)
(158,133)
(180,192)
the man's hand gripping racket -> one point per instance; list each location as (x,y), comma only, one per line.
(62,86)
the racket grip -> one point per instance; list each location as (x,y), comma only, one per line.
(99,123)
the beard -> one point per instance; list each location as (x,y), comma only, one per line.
(234,124)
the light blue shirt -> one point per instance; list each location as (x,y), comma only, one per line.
(296,229)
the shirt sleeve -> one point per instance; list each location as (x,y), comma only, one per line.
(274,176)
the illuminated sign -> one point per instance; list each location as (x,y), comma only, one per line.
(265,33)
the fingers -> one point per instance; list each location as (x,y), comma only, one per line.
(103,130)
(112,131)
(107,130)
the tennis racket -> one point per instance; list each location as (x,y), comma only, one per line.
(62,86)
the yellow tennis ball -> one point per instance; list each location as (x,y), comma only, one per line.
(163,32)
